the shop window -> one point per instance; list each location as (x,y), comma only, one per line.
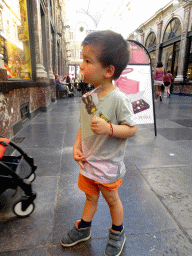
(170,58)
(173,30)
(151,41)
(152,55)
(189,70)
(14,38)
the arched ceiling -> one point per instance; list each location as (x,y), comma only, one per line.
(87,11)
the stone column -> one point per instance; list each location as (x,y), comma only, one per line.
(159,30)
(183,43)
(40,70)
(142,38)
(49,49)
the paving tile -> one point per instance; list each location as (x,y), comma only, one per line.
(173,186)
(175,134)
(94,247)
(170,242)
(184,122)
(27,252)
(68,164)
(44,140)
(47,160)
(158,153)
(42,128)
(35,230)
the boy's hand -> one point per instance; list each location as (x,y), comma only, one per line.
(100,126)
(79,157)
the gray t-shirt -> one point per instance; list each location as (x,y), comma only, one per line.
(104,154)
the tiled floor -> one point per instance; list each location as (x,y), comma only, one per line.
(156,190)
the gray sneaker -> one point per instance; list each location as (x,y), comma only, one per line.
(115,243)
(75,236)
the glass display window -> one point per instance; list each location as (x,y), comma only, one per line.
(151,41)
(14,38)
(170,57)
(152,55)
(176,59)
(189,70)
(173,30)
(167,57)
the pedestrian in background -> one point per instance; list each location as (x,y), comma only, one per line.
(60,85)
(100,143)
(167,83)
(158,80)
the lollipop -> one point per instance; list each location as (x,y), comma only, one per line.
(89,104)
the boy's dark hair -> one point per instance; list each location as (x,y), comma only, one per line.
(159,64)
(112,49)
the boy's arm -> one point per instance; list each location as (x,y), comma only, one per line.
(77,150)
(100,126)
(122,131)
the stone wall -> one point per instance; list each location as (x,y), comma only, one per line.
(38,95)
(182,88)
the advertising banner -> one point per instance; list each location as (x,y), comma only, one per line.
(136,81)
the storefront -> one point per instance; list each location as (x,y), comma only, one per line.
(188,74)
(14,39)
(171,46)
(32,51)
(167,35)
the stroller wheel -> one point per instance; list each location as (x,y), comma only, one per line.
(17,209)
(31,178)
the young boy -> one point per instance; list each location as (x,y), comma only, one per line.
(100,143)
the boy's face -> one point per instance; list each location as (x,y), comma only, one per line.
(91,67)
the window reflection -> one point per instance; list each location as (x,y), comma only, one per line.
(151,40)
(173,30)
(152,55)
(14,38)
(176,61)
(167,57)
(170,58)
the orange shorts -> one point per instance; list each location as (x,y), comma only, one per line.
(91,187)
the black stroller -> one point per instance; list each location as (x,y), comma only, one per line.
(17,171)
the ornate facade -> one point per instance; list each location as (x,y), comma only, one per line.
(168,38)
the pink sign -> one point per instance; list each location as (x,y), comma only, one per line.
(135,81)
(138,54)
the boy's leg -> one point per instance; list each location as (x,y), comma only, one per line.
(115,205)
(82,229)
(117,237)
(90,207)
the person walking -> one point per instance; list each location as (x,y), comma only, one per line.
(158,79)
(167,83)
(100,142)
